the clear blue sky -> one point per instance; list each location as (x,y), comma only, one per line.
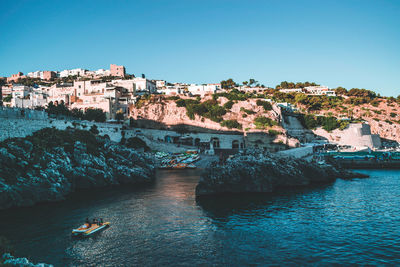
(335,43)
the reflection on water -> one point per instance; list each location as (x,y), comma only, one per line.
(348,222)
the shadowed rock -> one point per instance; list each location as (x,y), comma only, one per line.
(265,173)
(52,163)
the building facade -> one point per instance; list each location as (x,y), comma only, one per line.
(118,71)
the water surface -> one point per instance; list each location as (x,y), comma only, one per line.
(347,222)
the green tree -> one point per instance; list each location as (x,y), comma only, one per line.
(252,82)
(119,116)
(95,114)
(77,113)
(136,142)
(341,91)
(228,84)
(7,98)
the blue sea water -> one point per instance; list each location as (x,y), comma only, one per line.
(346,223)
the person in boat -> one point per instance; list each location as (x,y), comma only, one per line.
(94,221)
(87,222)
(101,221)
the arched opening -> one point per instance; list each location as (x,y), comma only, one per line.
(186,141)
(197,142)
(235,144)
(215,142)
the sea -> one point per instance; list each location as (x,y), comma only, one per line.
(347,222)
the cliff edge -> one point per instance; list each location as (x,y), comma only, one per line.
(51,164)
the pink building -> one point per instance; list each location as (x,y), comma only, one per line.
(47,75)
(15,77)
(118,71)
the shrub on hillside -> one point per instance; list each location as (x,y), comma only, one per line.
(265,104)
(247,111)
(231,124)
(328,123)
(93,129)
(174,98)
(228,105)
(272,132)
(136,142)
(262,122)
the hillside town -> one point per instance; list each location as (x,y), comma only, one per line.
(110,90)
(216,118)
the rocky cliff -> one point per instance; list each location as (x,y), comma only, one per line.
(265,173)
(51,163)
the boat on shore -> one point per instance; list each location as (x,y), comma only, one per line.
(178,166)
(179,161)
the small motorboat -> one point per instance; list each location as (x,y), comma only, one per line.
(95,228)
(86,229)
(81,229)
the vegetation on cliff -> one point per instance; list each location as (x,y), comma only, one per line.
(209,109)
(329,123)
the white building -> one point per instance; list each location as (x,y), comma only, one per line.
(291,90)
(103,72)
(34,99)
(35,74)
(73,72)
(144,85)
(170,90)
(319,90)
(20,91)
(160,84)
(249,89)
(130,85)
(203,89)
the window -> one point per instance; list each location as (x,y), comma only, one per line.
(215,142)
(235,144)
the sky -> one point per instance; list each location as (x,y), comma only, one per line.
(349,43)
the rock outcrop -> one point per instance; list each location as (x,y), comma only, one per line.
(9,260)
(265,173)
(52,163)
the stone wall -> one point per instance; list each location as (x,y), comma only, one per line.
(356,134)
(164,136)
(15,122)
(18,113)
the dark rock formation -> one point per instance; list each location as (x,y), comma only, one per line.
(9,260)
(265,173)
(52,163)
